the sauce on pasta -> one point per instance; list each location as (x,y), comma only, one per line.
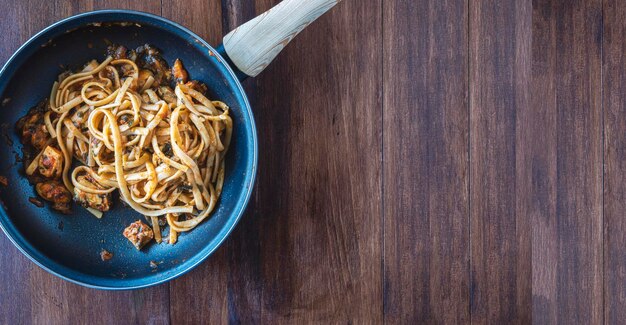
(132,126)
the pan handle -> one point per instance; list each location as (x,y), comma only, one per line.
(252,46)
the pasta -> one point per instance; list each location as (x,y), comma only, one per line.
(161,147)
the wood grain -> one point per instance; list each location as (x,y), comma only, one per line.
(500,36)
(540,148)
(320,210)
(614,103)
(426,130)
(567,259)
(205,19)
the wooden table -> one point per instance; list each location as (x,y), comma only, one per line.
(420,162)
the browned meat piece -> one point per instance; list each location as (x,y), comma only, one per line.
(105,255)
(167,94)
(179,73)
(40,137)
(56,193)
(149,57)
(33,129)
(147,49)
(197,86)
(100,202)
(138,233)
(117,52)
(51,162)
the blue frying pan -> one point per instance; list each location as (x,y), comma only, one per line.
(69,246)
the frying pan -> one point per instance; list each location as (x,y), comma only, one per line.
(69,246)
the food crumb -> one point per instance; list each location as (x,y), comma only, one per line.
(35,201)
(6,101)
(105,255)
(153,264)
(4,181)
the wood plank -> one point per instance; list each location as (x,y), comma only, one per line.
(151,6)
(500,36)
(33,295)
(541,157)
(614,103)
(201,297)
(205,19)
(567,230)
(68,8)
(318,111)
(426,204)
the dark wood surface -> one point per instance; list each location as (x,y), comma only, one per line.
(614,205)
(568,271)
(425,162)
(473,171)
(500,242)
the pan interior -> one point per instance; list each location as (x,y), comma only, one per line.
(70,245)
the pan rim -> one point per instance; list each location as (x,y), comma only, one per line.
(247,186)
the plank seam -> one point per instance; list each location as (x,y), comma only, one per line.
(382,157)
(603,159)
(469,168)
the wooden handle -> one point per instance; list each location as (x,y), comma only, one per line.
(253,45)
